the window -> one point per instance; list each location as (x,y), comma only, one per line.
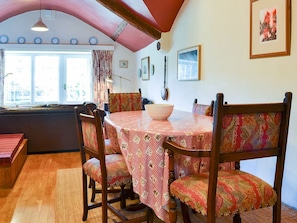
(47,77)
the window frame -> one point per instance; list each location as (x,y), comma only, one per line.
(62,69)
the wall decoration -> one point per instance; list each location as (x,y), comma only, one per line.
(93,40)
(188,63)
(73,41)
(152,69)
(123,63)
(37,40)
(55,40)
(139,73)
(145,68)
(21,40)
(270,28)
(4,39)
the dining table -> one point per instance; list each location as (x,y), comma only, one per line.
(139,139)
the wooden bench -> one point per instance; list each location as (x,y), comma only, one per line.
(13,154)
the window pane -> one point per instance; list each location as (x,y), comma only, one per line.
(17,85)
(77,80)
(46,79)
(41,77)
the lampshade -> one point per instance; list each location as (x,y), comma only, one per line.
(39,26)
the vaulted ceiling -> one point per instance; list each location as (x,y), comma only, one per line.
(132,23)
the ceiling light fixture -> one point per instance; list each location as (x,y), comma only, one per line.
(39,26)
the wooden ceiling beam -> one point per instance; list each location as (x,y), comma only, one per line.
(132,19)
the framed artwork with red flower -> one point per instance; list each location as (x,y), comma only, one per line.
(270,28)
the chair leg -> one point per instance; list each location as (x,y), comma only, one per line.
(93,187)
(90,183)
(132,193)
(123,197)
(85,197)
(150,215)
(185,212)
(172,210)
(236,218)
(104,204)
(277,212)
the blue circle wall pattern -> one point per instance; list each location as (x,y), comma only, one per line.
(93,40)
(55,40)
(37,40)
(4,39)
(74,41)
(21,40)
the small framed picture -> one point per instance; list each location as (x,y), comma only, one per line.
(145,68)
(123,63)
(270,28)
(188,64)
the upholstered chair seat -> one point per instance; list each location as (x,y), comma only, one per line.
(117,171)
(237,192)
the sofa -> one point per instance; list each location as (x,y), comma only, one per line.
(48,128)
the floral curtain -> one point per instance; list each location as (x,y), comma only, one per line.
(2,70)
(102,68)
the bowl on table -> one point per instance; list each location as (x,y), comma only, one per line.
(159,111)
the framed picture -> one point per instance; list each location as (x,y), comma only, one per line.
(188,64)
(270,28)
(145,68)
(123,63)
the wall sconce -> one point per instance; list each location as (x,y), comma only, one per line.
(139,73)
(152,69)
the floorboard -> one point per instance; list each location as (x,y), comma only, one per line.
(33,197)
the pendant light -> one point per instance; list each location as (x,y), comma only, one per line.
(39,26)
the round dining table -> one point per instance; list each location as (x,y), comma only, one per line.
(140,138)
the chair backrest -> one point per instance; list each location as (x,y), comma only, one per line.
(90,136)
(249,131)
(89,107)
(118,102)
(202,109)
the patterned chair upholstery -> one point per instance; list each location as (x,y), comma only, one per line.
(118,102)
(240,132)
(89,107)
(202,109)
(108,170)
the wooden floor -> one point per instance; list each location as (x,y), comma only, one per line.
(32,199)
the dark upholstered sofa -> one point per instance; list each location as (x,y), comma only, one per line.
(48,128)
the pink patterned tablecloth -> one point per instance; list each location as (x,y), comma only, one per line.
(140,139)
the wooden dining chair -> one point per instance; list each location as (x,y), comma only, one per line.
(106,169)
(240,132)
(202,109)
(118,102)
(89,108)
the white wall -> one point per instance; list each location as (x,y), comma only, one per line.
(222,29)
